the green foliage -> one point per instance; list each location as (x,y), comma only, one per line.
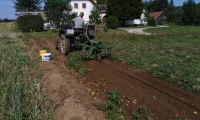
(190,10)
(95,17)
(114,97)
(124,9)
(59,12)
(20,98)
(6,20)
(112,106)
(171,54)
(99,2)
(29,23)
(75,62)
(141,114)
(112,22)
(27,5)
(151,21)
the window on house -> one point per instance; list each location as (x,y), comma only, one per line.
(76,5)
(84,5)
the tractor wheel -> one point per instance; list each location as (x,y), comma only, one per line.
(64,45)
(56,44)
(110,57)
(98,58)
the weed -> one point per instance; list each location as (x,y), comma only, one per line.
(114,97)
(75,62)
(112,106)
(141,114)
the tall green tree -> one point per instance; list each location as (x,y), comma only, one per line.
(158,5)
(163,4)
(190,10)
(153,6)
(95,17)
(27,5)
(171,2)
(124,9)
(58,11)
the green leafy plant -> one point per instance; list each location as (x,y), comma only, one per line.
(75,62)
(114,97)
(141,114)
(112,106)
(112,22)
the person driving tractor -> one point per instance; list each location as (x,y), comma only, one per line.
(79,22)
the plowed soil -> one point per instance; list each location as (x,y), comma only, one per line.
(73,98)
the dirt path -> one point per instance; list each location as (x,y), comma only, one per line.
(140,30)
(70,97)
(73,98)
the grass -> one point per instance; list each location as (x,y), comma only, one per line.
(177,30)
(21,95)
(174,59)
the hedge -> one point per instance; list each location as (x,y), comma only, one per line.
(28,23)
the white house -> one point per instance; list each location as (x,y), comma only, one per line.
(84,6)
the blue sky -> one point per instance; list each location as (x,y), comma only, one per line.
(7,10)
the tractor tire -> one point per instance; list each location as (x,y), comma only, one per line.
(110,57)
(64,45)
(98,58)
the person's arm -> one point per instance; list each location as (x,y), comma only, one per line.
(72,21)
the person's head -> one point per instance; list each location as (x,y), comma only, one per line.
(81,14)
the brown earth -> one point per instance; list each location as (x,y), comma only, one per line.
(73,98)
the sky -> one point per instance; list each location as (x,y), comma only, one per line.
(7,10)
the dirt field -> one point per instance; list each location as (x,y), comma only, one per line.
(74,101)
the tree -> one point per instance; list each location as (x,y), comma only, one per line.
(153,6)
(101,1)
(163,4)
(27,5)
(190,10)
(58,11)
(95,17)
(157,5)
(124,9)
(171,2)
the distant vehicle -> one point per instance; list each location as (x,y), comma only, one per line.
(47,25)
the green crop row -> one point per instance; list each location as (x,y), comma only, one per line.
(21,95)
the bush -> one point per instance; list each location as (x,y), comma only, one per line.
(29,23)
(162,22)
(112,22)
(151,21)
(6,20)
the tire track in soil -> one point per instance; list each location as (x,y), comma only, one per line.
(162,100)
(164,91)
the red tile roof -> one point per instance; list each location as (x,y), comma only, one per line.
(155,14)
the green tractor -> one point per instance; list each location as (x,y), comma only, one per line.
(71,39)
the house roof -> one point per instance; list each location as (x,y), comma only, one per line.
(92,1)
(156,14)
(103,8)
